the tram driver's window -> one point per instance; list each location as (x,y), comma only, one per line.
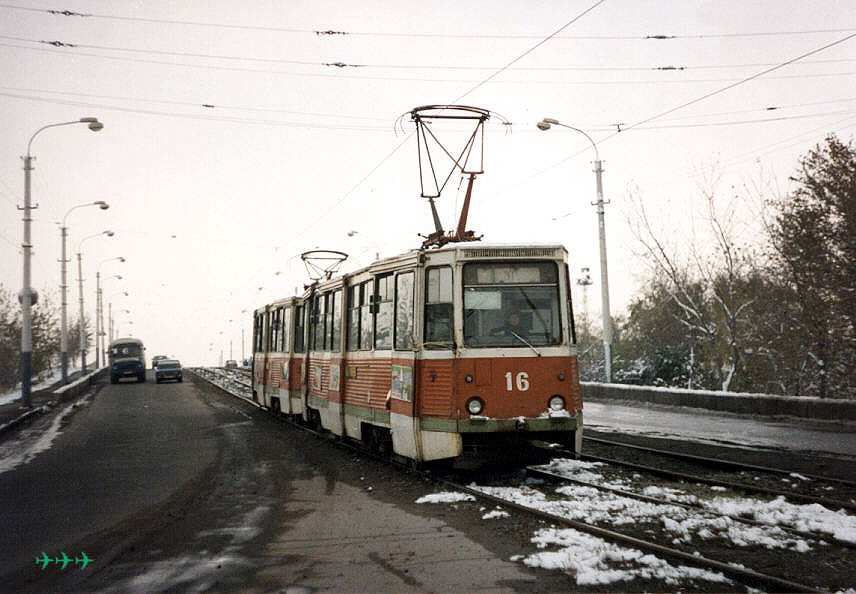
(438,306)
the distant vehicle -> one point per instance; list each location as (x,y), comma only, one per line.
(168,369)
(231,364)
(127,359)
(157,358)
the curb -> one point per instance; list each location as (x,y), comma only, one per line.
(30,414)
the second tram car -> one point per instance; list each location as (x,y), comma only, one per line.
(429,354)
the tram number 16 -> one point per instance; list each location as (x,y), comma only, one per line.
(521,380)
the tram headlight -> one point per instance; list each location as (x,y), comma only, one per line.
(556,403)
(475,406)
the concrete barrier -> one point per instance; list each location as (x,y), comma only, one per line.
(753,404)
(74,389)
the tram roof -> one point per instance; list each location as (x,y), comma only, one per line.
(480,249)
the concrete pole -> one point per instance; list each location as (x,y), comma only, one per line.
(26,295)
(82,318)
(545,124)
(64,308)
(97,328)
(604,278)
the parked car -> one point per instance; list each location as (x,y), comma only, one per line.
(168,369)
(157,358)
(231,364)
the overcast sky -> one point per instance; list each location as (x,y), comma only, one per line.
(231,145)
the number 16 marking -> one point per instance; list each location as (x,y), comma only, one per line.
(521,380)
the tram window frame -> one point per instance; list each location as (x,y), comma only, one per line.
(300,328)
(316,324)
(275,329)
(285,330)
(336,330)
(492,290)
(384,310)
(354,304)
(257,333)
(366,316)
(570,306)
(328,321)
(439,306)
(267,332)
(404,324)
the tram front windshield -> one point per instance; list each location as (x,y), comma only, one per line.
(511,304)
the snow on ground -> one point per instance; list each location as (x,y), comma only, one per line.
(595,561)
(445,497)
(778,513)
(497,513)
(591,559)
(33,441)
(15,394)
(591,505)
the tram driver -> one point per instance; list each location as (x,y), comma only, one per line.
(512,327)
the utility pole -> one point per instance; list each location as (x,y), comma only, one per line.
(546,124)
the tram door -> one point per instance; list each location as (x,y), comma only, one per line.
(401,405)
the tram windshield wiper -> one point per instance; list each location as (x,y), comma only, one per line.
(524,341)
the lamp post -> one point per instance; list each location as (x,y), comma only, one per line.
(27,296)
(114,325)
(80,284)
(64,286)
(546,124)
(99,312)
(377,249)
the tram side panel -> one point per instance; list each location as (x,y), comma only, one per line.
(367,381)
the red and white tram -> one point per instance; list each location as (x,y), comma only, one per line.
(429,354)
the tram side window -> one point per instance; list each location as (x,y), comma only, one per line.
(300,329)
(404,311)
(383,316)
(267,332)
(354,303)
(275,329)
(257,333)
(316,325)
(366,315)
(438,306)
(285,341)
(336,331)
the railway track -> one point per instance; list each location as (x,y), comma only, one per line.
(805,488)
(662,525)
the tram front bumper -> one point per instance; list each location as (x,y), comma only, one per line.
(515,425)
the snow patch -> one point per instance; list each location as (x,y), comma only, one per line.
(594,561)
(32,442)
(445,497)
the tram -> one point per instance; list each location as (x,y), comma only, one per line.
(431,354)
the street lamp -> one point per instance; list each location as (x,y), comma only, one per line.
(99,310)
(110,315)
(546,124)
(377,249)
(80,284)
(28,296)
(64,287)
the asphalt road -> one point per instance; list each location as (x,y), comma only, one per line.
(180,487)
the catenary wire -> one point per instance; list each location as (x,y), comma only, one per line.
(411,79)
(61,45)
(429,35)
